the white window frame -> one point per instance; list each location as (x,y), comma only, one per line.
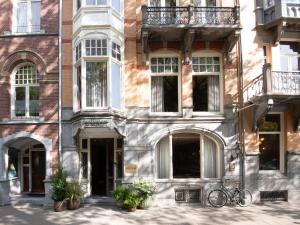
(13,93)
(201,140)
(29,17)
(178,74)
(221,82)
(281,145)
(102,58)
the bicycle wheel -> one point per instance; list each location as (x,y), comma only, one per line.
(243,198)
(217,198)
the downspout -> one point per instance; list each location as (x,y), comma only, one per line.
(241,112)
(59,81)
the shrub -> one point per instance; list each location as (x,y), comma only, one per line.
(59,185)
(120,193)
(74,191)
(144,188)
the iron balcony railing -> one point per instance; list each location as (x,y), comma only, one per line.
(273,83)
(190,15)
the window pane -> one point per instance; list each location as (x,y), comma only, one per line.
(295,63)
(36,15)
(164,93)
(200,93)
(186,156)
(116,86)
(119,164)
(269,146)
(289,48)
(96,84)
(34,101)
(284,64)
(22,17)
(163,158)
(84,165)
(12,163)
(271,122)
(210,158)
(20,104)
(116,5)
(78,70)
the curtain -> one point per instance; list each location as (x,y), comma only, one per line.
(163,161)
(22,17)
(155,3)
(157,94)
(96,83)
(213,94)
(210,158)
(36,16)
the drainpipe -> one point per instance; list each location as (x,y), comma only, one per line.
(241,144)
(59,83)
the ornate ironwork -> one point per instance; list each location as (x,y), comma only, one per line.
(190,15)
(275,82)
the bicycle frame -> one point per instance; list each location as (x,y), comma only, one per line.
(229,193)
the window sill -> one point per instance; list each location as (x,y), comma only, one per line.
(187,180)
(165,114)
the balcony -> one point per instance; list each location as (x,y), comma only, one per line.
(190,23)
(281,17)
(280,85)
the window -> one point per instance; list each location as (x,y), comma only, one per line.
(187,155)
(270,142)
(207,3)
(290,56)
(96,47)
(96,2)
(206,84)
(268,3)
(97,75)
(116,4)
(26,91)
(78,52)
(79,3)
(116,51)
(164,84)
(27,16)
(96,84)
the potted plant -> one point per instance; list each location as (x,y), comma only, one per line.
(58,191)
(145,190)
(74,194)
(131,201)
(120,194)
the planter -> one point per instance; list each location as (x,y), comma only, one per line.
(145,204)
(131,209)
(73,204)
(59,206)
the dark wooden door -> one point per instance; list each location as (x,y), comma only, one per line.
(38,164)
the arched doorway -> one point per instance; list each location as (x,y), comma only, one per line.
(26,166)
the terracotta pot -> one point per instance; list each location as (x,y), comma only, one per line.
(131,209)
(59,206)
(74,204)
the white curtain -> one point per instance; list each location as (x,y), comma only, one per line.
(213,94)
(116,86)
(210,158)
(163,158)
(96,83)
(36,16)
(157,94)
(22,17)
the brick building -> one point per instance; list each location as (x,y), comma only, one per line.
(29,95)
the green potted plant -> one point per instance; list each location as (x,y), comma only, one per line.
(145,189)
(74,194)
(131,201)
(58,191)
(120,194)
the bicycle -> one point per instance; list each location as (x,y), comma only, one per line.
(219,197)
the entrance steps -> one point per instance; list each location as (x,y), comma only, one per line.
(99,200)
(38,200)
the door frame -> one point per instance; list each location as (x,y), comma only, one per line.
(88,181)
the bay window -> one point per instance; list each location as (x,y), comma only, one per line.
(25,102)
(206,84)
(290,56)
(27,16)
(187,155)
(97,74)
(164,84)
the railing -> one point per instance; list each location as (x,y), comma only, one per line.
(27,29)
(273,83)
(190,15)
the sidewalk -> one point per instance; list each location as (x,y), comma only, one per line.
(279,213)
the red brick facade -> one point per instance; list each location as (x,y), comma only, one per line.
(42,51)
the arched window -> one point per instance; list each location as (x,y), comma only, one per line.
(188,155)
(25,102)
